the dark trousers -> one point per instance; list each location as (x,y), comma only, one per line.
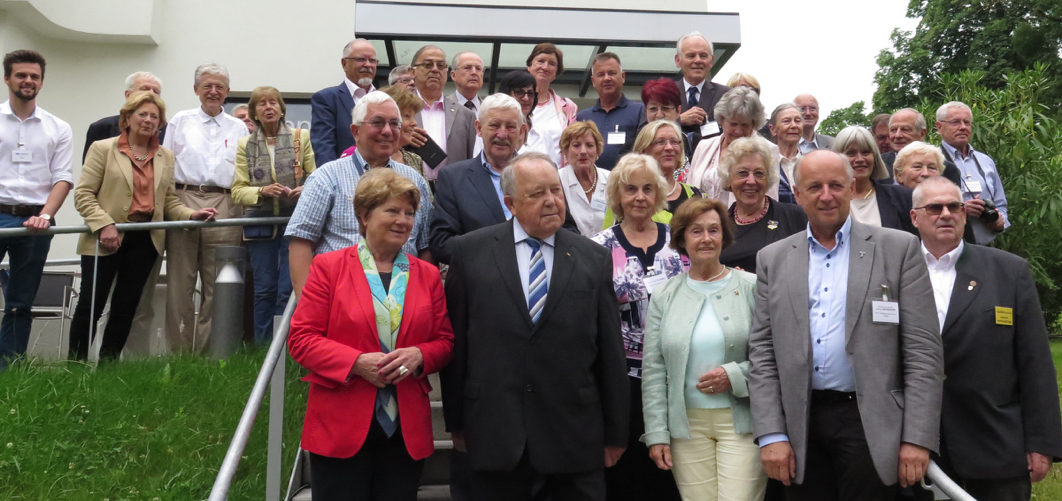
(272,282)
(381,471)
(27,255)
(986,489)
(128,270)
(525,484)
(838,466)
(635,476)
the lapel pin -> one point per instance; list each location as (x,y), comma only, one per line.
(569,254)
(973,283)
(772,225)
(862,253)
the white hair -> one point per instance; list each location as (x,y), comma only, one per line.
(130,80)
(917,148)
(678,46)
(453,62)
(241,106)
(500,101)
(508,174)
(942,112)
(849,172)
(211,69)
(919,192)
(350,45)
(357,115)
(740,102)
(920,119)
(402,69)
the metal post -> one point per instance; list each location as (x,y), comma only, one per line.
(276,421)
(92,305)
(946,485)
(227,323)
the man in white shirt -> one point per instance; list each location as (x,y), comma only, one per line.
(809,111)
(203,141)
(331,107)
(451,125)
(36,174)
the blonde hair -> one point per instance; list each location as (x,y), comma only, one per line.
(648,134)
(378,186)
(135,101)
(579,129)
(916,148)
(738,77)
(620,177)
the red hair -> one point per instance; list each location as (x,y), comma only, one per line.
(662,90)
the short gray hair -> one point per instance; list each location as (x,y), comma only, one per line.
(350,45)
(508,174)
(211,69)
(500,101)
(241,106)
(678,46)
(357,115)
(847,167)
(779,109)
(919,192)
(453,62)
(402,69)
(917,148)
(741,148)
(942,112)
(741,102)
(130,80)
(920,119)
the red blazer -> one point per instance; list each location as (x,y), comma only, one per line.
(334,323)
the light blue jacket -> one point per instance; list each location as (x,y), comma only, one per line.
(673,312)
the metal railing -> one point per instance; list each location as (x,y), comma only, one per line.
(946,485)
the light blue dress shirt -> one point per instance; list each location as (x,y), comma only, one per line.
(707,348)
(991,188)
(495,177)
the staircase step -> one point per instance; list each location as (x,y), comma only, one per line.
(425,493)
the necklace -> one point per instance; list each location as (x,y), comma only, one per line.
(672,192)
(713,279)
(139,158)
(593,183)
(762,213)
(869,193)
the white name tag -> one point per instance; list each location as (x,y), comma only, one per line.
(973,186)
(21,156)
(617,137)
(597,204)
(709,129)
(886,312)
(654,281)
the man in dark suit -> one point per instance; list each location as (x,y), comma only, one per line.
(1000,425)
(106,128)
(330,108)
(537,389)
(451,125)
(846,360)
(695,57)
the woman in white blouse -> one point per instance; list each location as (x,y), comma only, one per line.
(583,182)
(553,113)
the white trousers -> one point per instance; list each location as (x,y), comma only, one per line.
(716,463)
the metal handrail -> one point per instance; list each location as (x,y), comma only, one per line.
(153,225)
(946,485)
(220,491)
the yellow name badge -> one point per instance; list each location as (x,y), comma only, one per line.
(1004,316)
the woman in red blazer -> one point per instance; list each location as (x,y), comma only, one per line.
(370,326)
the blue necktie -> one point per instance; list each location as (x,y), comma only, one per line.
(537,285)
(693,99)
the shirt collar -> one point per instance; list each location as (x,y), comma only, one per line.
(357,153)
(461,99)
(5,109)
(203,117)
(814,140)
(486,165)
(954,152)
(841,237)
(700,86)
(434,106)
(355,91)
(622,103)
(519,235)
(946,262)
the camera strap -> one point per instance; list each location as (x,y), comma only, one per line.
(962,176)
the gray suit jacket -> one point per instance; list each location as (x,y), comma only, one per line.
(825,142)
(899,369)
(460,131)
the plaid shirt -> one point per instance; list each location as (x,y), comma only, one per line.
(325,212)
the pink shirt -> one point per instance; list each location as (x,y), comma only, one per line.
(433,120)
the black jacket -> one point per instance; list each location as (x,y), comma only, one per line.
(106,128)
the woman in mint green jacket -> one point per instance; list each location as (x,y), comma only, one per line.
(695,364)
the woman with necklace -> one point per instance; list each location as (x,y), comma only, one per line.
(641,261)
(583,182)
(271,167)
(746,170)
(787,125)
(126,179)
(877,201)
(698,421)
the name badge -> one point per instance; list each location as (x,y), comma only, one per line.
(1004,316)
(653,281)
(973,186)
(886,312)
(617,137)
(21,156)
(598,203)
(709,129)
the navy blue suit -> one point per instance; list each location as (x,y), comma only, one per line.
(330,123)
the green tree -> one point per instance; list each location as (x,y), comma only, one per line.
(840,118)
(995,37)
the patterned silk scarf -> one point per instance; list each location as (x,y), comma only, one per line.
(259,167)
(388,308)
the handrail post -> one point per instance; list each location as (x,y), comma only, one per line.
(276,420)
(946,485)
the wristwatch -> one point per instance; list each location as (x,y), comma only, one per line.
(46,217)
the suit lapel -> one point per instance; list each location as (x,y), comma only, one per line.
(563,264)
(963,293)
(158,174)
(480,179)
(344,97)
(361,290)
(125,164)
(509,270)
(860,265)
(450,105)
(410,304)
(886,209)
(797,265)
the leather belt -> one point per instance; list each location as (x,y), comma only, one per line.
(201,188)
(21,210)
(832,397)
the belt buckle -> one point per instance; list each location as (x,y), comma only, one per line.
(201,190)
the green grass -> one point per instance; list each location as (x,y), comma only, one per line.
(143,430)
(158,429)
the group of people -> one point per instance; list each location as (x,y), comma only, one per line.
(623,314)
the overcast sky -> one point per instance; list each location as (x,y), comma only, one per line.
(825,47)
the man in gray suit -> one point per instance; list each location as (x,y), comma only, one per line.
(449,124)
(846,361)
(809,111)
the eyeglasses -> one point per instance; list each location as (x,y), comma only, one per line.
(363,60)
(758,174)
(379,123)
(428,65)
(663,142)
(522,93)
(807,109)
(404,80)
(936,209)
(658,109)
(957,122)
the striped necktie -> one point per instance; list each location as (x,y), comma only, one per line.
(536,280)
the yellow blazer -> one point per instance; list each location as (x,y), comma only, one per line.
(105,192)
(245,194)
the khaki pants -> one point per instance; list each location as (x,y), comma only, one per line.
(191,252)
(716,463)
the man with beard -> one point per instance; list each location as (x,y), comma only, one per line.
(331,107)
(36,174)
(448,123)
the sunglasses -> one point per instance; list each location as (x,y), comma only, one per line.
(936,209)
